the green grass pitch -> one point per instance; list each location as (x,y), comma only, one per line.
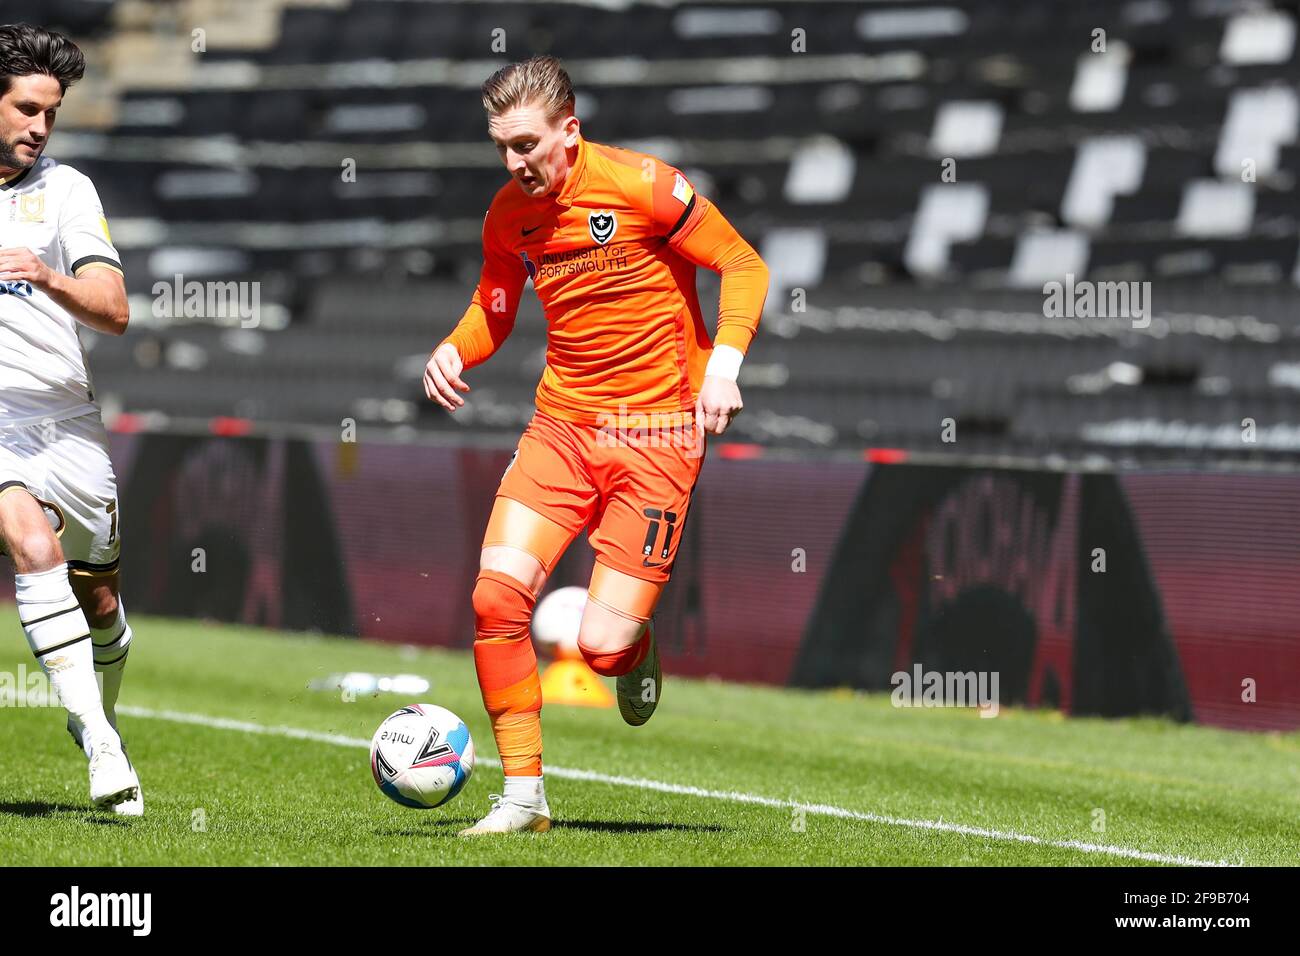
(760,775)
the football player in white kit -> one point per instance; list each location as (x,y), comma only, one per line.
(58,496)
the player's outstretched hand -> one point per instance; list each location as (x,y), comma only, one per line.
(718,404)
(442,377)
(18,263)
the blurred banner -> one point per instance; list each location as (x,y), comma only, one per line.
(1142,593)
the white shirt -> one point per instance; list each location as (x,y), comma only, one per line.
(53,210)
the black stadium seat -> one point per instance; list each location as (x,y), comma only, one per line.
(373,272)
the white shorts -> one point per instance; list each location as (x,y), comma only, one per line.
(65,466)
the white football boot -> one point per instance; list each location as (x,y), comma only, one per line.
(132,806)
(639,689)
(112,778)
(508,817)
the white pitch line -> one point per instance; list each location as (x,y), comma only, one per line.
(732,796)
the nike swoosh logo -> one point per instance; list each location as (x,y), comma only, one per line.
(528,231)
(650,564)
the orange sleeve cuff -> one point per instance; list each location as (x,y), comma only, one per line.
(477,335)
(737,335)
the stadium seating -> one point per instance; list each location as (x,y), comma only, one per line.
(913,175)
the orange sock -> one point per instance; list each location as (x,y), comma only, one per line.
(507,670)
(618,663)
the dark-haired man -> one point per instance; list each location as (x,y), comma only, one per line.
(59,521)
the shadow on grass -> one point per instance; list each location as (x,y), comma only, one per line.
(623,826)
(450,827)
(447,826)
(36,808)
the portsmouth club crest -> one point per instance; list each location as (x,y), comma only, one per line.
(603,225)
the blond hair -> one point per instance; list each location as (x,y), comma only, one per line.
(539,81)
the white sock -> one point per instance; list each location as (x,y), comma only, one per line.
(60,638)
(525,791)
(110,646)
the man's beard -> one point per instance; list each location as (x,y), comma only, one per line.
(10,158)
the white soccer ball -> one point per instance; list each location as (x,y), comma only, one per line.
(556,621)
(421,756)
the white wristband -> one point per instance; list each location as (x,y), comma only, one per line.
(725,362)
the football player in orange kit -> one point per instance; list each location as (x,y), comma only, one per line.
(611,239)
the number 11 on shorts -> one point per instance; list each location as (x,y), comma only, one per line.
(652,534)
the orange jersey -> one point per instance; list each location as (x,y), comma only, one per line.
(612,257)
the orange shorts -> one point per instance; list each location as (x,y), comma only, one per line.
(632,489)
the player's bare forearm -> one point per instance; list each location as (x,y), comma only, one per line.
(97,299)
